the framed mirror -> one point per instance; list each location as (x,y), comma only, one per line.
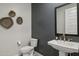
(66,19)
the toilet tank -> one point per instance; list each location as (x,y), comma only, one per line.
(34,42)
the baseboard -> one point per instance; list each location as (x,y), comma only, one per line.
(35,54)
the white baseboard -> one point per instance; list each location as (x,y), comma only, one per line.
(35,54)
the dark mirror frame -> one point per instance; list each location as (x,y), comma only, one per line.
(58,34)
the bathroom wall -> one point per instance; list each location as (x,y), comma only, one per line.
(9,37)
(43,27)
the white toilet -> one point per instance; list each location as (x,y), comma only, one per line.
(29,50)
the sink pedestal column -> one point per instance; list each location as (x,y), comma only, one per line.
(61,53)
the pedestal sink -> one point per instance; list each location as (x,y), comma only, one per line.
(64,47)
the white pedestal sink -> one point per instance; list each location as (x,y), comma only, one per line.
(64,47)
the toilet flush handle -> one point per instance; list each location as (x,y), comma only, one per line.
(18,43)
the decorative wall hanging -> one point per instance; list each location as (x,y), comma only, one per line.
(12,13)
(19,20)
(6,22)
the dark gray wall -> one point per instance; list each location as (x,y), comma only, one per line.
(43,27)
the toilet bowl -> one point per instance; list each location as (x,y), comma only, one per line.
(28,50)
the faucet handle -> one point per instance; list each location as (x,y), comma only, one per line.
(70,39)
(56,38)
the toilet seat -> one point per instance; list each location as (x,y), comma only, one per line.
(26,49)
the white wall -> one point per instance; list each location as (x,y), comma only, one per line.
(9,37)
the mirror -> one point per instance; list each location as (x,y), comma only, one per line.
(66,20)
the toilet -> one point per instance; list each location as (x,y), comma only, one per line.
(28,50)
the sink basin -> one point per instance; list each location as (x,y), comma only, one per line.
(64,46)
